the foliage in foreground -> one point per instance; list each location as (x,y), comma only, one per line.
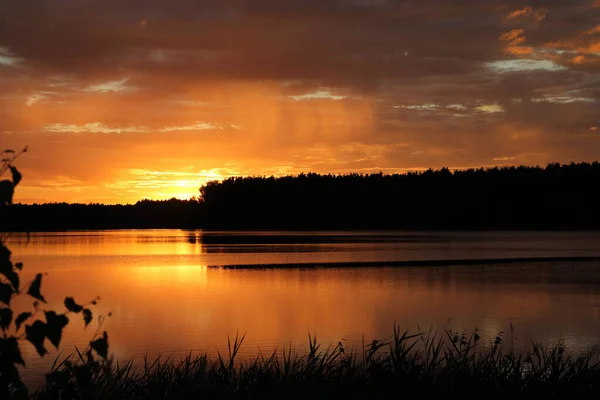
(450,365)
(38,323)
(34,325)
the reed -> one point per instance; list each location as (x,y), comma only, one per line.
(444,364)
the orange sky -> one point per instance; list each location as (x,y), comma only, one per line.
(124,100)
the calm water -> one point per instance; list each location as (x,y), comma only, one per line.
(167,297)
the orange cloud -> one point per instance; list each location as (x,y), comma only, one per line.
(524,12)
(577,50)
(518,41)
(594,30)
(537,15)
(592,48)
(515,40)
(520,50)
(512,35)
(579,60)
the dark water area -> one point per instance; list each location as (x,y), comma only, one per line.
(174,291)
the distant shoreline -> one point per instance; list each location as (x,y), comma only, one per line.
(557,197)
(411,263)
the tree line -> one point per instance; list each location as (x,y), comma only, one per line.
(552,197)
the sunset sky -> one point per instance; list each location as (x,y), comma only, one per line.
(121,100)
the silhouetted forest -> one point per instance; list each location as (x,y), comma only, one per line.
(554,197)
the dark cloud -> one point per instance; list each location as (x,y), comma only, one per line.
(106,87)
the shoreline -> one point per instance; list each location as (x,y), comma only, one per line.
(411,263)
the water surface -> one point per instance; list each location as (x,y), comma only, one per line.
(168,296)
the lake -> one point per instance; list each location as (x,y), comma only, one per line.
(169,292)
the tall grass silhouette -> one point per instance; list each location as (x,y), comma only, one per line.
(444,363)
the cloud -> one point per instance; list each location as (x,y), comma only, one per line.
(564,99)
(43,96)
(34,98)
(577,47)
(110,86)
(92,127)
(537,15)
(97,127)
(8,59)
(200,126)
(454,110)
(520,50)
(318,95)
(581,59)
(490,108)
(518,65)
(514,37)
(523,12)
(593,31)
(291,86)
(421,107)
(515,40)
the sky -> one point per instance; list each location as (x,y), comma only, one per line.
(120,100)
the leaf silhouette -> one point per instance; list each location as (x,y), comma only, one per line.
(8,151)
(22,318)
(6,292)
(34,288)
(72,306)
(6,267)
(87,316)
(6,316)
(54,326)
(11,275)
(4,252)
(9,348)
(35,334)
(19,266)
(101,345)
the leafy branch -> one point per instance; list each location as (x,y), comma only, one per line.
(28,325)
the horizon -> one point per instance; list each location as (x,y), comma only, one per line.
(201,183)
(198,196)
(121,101)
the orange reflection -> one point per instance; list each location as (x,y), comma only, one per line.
(164,301)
